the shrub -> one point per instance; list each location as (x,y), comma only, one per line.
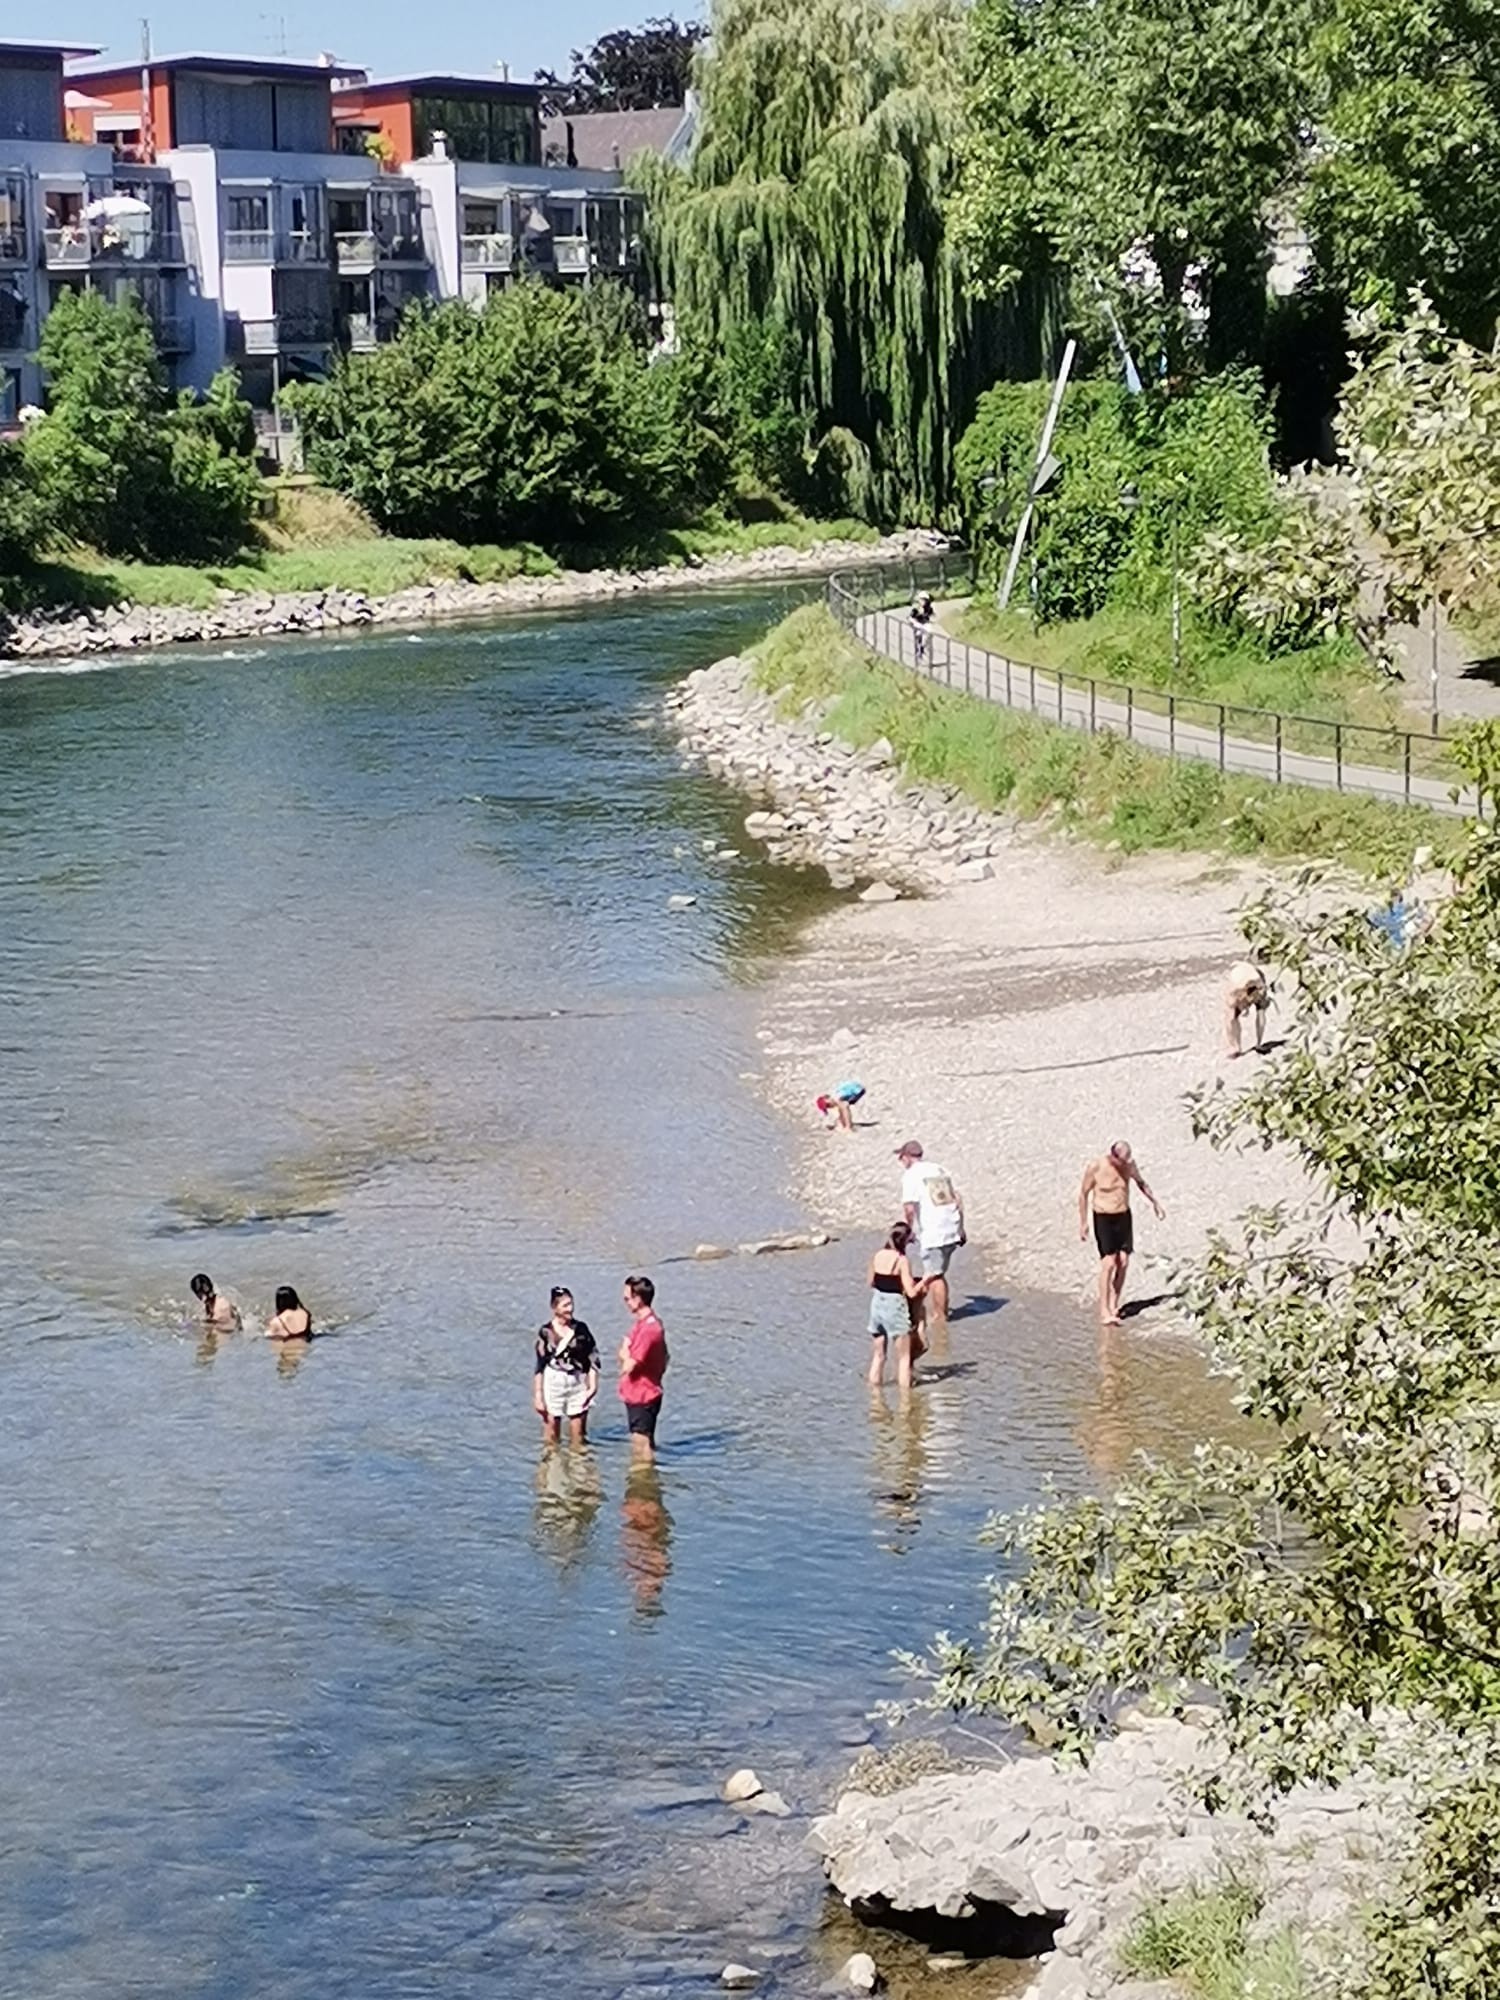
(1292,585)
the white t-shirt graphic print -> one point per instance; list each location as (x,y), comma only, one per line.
(931,1188)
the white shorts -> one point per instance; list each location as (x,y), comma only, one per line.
(564,1395)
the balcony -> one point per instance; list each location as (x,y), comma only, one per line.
(67,246)
(570,254)
(303,246)
(362,333)
(248,246)
(492,252)
(287,329)
(354,250)
(12,246)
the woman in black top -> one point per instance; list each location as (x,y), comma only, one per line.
(566,1378)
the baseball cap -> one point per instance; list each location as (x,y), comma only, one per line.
(909,1149)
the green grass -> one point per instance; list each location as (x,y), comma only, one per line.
(359,559)
(1202,1938)
(1105,789)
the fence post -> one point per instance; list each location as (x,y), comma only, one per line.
(1171,725)
(1009,696)
(1221,738)
(1407,762)
(1278,749)
(1129,713)
(1338,756)
(968,668)
(1033,690)
(1093,707)
(1059,695)
(987,694)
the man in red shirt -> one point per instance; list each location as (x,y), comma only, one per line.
(643,1362)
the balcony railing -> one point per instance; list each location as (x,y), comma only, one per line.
(248,246)
(403,248)
(287,329)
(491,252)
(165,247)
(66,245)
(304,246)
(354,249)
(571,255)
(362,332)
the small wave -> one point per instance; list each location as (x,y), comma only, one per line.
(88,663)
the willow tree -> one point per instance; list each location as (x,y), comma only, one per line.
(814,203)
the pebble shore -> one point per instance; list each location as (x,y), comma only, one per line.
(69,634)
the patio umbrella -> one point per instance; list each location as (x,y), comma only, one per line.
(116,208)
(79,100)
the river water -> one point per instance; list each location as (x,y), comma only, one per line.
(348,965)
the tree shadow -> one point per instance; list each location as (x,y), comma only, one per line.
(1486,670)
(1133,1307)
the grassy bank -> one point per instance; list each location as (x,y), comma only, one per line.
(1110,791)
(1332,681)
(312,540)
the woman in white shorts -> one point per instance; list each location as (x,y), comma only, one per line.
(566,1379)
(893,1288)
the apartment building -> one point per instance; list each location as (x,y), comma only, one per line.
(72,215)
(474,145)
(269,213)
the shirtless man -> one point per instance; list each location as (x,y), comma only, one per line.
(1107,1181)
(1246,989)
(217,1310)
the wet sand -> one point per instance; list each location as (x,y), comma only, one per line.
(1016,1027)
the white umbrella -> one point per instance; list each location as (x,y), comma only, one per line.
(115,208)
(79,100)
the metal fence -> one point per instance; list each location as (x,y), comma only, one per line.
(1401,766)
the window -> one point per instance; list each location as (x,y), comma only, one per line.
(250,213)
(495,130)
(10,395)
(12,217)
(12,314)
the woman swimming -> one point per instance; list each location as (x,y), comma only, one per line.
(292,1320)
(894,1287)
(217,1309)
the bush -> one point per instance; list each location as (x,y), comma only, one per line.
(114,463)
(1292,585)
(539,418)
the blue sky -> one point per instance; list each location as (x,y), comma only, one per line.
(384,35)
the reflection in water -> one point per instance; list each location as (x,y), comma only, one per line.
(646,1538)
(900,1461)
(569,1494)
(290,1355)
(1104,1431)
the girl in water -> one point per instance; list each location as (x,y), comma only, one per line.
(218,1311)
(894,1288)
(292,1320)
(566,1378)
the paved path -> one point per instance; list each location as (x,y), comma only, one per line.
(1036,690)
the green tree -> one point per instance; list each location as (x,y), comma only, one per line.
(1139,144)
(522,422)
(632,69)
(815,205)
(114,462)
(1341,1569)
(1405,191)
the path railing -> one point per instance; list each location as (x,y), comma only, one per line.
(1401,766)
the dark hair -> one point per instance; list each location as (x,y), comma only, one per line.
(202,1286)
(899,1237)
(641,1288)
(561,1292)
(287,1300)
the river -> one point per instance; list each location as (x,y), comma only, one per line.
(349,965)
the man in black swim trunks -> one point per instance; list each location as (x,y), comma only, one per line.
(1107,1181)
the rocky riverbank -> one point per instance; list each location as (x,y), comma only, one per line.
(1034,1858)
(66,634)
(1013,1000)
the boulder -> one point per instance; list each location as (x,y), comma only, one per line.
(880,892)
(860,1973)
(739,1977)
(973,871)
(739,1786)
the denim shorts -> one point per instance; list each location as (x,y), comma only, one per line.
(890,1316)
(935,1261)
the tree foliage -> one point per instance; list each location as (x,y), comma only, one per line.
(814,204)
(1420,427)
(532,420)
(1340,1571)
(1138,144)
(115,462)
(632,69)
(1405,189)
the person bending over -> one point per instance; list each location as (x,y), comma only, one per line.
(217,1310)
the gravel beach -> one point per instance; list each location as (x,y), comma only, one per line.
(1016,1026)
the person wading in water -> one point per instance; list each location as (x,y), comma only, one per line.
(1106,1181)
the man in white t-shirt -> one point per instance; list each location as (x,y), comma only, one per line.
(935,1211)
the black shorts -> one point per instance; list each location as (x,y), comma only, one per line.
(641,1417)
(1114,1234)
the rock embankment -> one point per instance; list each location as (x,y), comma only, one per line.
(847,811)
(257,614)
(1080,1852)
